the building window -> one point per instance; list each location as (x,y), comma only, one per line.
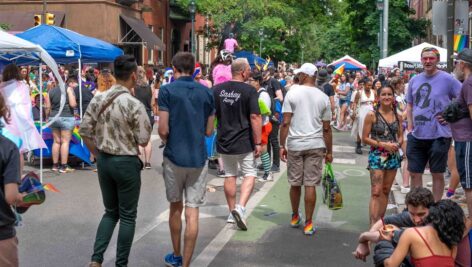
(161,53)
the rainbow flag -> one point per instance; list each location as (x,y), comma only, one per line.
(76,136)
(340,70)
(460,42)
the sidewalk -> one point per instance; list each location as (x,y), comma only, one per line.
(399,198)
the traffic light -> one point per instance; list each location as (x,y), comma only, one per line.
(37,20)
(50,19)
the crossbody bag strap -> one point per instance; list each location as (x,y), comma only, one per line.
(104,107)
(388,126)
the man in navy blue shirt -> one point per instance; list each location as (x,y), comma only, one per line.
(186,115)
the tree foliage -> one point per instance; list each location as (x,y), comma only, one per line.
(325,28)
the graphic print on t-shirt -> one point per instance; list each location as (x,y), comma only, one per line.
(427,109)
(230,97)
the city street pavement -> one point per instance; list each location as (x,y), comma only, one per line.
(61,231)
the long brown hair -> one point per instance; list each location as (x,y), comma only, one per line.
(4,111)
(11,72)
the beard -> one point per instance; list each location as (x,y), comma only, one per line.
(459,74)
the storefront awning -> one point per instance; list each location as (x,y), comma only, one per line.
(21,21)
(146,35)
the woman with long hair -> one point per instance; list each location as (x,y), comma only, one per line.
(343,90)
(63,126)
(143,93)
(21,129)
(434,244)
(364,101)
(382,131)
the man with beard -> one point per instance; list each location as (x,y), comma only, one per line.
(429,140)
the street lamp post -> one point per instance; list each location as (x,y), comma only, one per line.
(303,47)
(192,8)
(382,5)
(261,35)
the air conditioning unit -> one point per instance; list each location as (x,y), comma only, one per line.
(127,2)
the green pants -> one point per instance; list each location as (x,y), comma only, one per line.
(120,183)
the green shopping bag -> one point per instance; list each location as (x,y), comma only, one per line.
(332,195)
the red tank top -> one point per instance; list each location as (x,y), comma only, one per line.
(433,260)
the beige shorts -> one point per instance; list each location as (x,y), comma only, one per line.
(246,161)
(191,180)
(9,252)
(305,167)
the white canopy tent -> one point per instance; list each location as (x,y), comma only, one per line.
(412,55)
(16,50)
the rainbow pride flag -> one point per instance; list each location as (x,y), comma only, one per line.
(460,42)
(339,70)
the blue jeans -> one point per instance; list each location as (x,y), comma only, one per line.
(64,123)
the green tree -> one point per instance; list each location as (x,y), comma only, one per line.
(286,24)
(5,26)
(363,23)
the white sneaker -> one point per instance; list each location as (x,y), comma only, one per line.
(404,190)
(270,177)
(230,219)
(239,215)
(429,184)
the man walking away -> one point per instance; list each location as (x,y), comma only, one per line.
(238,136)
(186,115)
(113,127)
(307,131)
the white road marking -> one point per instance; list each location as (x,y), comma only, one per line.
(344,161)
(209,253)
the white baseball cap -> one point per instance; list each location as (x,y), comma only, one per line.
(307,68)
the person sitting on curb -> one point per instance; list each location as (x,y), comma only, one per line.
(417,202)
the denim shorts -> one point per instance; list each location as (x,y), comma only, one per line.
(420,152)
(464,163)
(343,101)
(64,123)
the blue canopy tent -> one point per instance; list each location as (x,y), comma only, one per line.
(67,46)
(252,59)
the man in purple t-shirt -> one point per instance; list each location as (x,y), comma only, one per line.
(231,43)
(429,93)
(462,129)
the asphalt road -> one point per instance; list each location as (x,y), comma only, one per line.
(61,231)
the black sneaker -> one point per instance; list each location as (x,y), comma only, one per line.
(359,150)
(147,166)
(220,173)
(260,167)
(275,168)
(212,164)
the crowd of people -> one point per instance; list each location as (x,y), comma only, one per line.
(242,114)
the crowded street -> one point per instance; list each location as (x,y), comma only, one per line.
(249,133)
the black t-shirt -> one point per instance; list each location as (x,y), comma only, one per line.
(272,86)
(144,94)
(328,89)
(235,102)
(9,173)
(55,98)
(86,97)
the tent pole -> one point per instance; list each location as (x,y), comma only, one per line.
(41,119)
(80,99)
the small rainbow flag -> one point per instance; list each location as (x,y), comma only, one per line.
(339,70)
(460,42)
(76,138)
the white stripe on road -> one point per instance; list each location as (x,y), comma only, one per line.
(344,161)
(209,253)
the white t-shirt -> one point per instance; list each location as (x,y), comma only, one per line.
(310,107)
